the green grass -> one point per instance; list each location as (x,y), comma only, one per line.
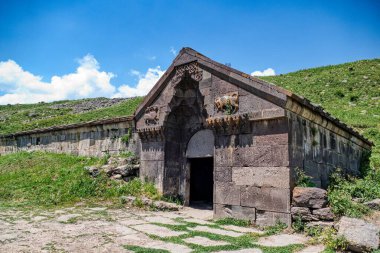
(235,243)
(343,190)
(40,179)
(350,92)
(16,118)
(233,221)
(139,249)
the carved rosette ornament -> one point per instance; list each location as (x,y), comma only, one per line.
(229,124)
(191,69)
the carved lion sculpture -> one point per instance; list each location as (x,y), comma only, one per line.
(228,103)
(151,115)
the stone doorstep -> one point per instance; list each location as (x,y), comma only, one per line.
(216,231)
(204,241)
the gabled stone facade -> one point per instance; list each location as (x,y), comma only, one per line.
(209,132)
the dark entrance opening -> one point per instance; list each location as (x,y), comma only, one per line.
(201,181)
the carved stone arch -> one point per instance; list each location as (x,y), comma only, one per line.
(201,144)
(185,90)
(190,70)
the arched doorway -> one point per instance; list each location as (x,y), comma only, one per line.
(200,155)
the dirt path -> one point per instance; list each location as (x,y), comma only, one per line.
(101,229)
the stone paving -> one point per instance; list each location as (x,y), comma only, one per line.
(101,229)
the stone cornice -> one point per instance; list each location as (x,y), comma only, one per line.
(151,133)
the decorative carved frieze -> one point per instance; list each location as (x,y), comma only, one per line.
(229,124)
(191,69)
(228,103)
(151,115)
(151,133)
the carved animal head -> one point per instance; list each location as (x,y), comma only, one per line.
(229,103)
(151,115)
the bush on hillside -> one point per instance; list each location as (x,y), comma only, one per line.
(346,193)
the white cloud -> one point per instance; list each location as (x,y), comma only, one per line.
(144,85)
(173,51)
(20,86)
(266,72)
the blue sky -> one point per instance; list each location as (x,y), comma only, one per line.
(120,44)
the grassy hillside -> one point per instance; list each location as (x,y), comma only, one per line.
(20,117)
(46,180)
(350,92)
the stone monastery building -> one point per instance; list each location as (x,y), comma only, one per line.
(207,132)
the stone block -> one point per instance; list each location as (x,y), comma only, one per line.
(227,193)
(221,87)
(324,213)
(361,235)
(266,198)
(311,197)
(237,212)
(152,154)
(303,213)
(224,157)
(271,139)
(267,218)
(152,171)
(269,127)
(280,155)
(261,176)
(320,224)
(223,174)
(253,156)
(251,102)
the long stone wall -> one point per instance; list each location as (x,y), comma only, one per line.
(89,139)
(319,147)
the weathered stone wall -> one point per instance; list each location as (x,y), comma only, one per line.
(319,147)
(152,160)
(95,139)
(252,176)
(251,158)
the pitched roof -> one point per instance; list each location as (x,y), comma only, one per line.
(261,88)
